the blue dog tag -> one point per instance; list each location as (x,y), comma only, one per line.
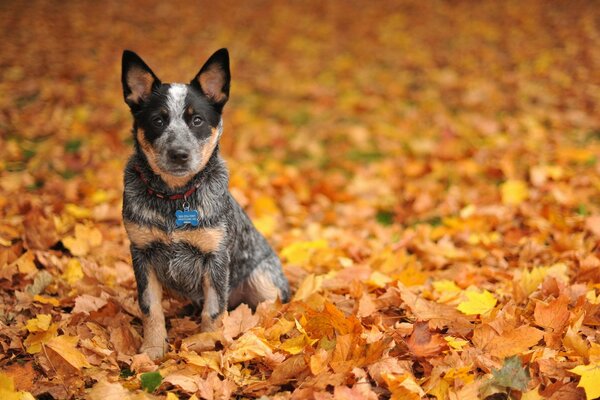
(186,216)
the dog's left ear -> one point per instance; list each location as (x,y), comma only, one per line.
(137,78)
(214,77)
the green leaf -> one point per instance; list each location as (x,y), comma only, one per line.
(150,381)
(126,373)
(72,146)
(385,217)
(512,374)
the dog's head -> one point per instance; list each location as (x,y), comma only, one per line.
(177,126)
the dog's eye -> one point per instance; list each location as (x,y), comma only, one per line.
(158,121)
(197,121)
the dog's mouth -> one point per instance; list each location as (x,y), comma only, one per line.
(178,171)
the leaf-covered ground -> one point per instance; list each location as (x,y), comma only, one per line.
(429,173)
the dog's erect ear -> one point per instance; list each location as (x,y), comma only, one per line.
(214,77)
(137,78)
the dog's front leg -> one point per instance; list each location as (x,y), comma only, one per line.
(215,285)
(149,299)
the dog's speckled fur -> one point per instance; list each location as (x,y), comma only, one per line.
(224,260)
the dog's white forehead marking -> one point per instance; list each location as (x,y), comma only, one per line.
(176,99)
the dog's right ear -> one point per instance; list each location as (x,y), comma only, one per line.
(137,78)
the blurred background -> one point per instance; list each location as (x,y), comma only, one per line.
(348,122)
(438,145)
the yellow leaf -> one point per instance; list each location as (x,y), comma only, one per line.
(41,323)
(46,300)
(73,271)
(464,374)
(209,359)
(448,290)
(590,376)
(592,297)
(281,327)
(411,276)
(247,347)
(530,280)
(34,341)
(264,205)
(77,211)
(8,392)
(266,224)
(477,303)
(294,345)
(84,239)
(378,279)
(533,394)
(311,284)
(455,342)
(403,387)
(299,253)
(66,347)
(514,192)
(171,396)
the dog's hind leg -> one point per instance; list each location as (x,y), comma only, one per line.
(265,283)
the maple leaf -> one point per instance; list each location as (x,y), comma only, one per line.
(512,374)
(589,378)
(84,239)
(238,321)
(299,253)
(477,303)
(554,315)
(422,343)
(65,347)
(8,392)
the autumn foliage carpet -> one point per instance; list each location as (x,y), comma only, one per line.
(429,173)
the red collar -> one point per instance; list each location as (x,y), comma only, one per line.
(161,195)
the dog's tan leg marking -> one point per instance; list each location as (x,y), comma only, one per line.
(141,236)
(258,287)
(208,240)
(155,332)
(210,306)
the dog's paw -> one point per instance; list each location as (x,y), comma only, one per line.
(155,352)
(209,324)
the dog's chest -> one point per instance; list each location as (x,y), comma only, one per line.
(206,240)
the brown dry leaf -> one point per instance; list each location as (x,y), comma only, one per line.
(238,321)
(510,342)
(66,347)
(105,390)
(422,343)
(592,224)
(554,315)
(87,303)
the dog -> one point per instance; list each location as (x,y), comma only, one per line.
(187,233)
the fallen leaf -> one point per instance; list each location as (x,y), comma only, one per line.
(512,374)
(65,346)
(238,321)
(589,378)
(477,303)
(514,192)
(150,381)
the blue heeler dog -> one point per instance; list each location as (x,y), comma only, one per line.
(187,232)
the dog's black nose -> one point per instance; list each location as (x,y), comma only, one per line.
(178,156)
